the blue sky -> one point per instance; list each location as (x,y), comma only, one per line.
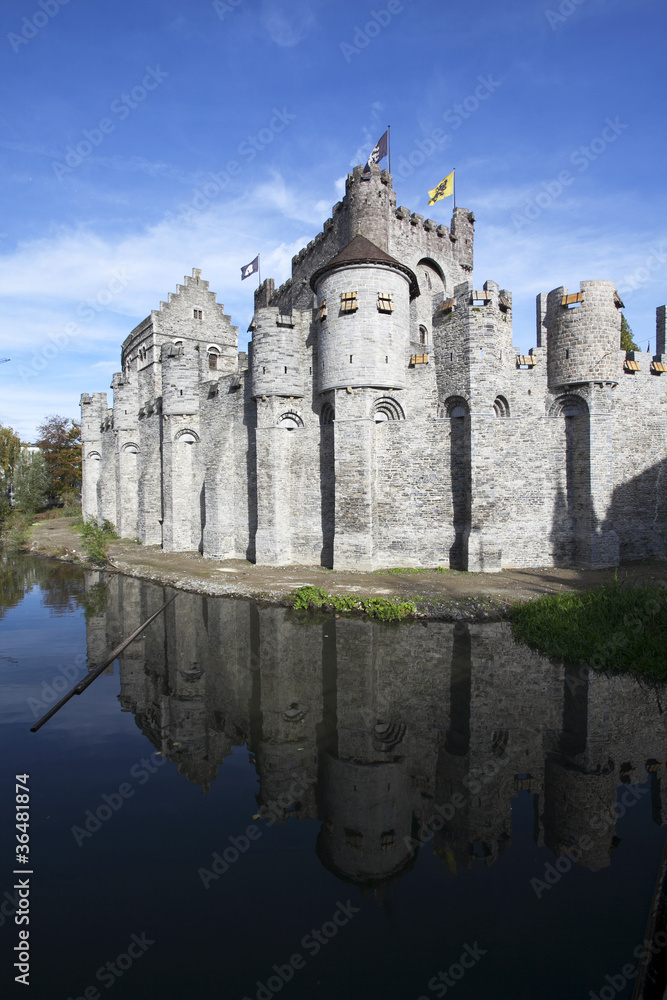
(560,155)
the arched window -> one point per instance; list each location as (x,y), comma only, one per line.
(456,407)
(187,436)
(423,335)
(327,415)
(501,407)
(212,359)
(290,421)
(568,405)
(387,408)
(130,448)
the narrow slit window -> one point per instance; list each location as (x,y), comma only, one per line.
(385,302)
(198,313)
(348,302)
(323,309)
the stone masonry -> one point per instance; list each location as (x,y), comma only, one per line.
(382,416)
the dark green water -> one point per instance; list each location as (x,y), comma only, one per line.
(256,803)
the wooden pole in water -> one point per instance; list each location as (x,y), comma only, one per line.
(89,678)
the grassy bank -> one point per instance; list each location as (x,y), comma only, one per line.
(386,610)
(618,627)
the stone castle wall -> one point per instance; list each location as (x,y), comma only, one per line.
(413,435)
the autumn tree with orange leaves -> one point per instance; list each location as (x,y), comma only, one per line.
(60,441)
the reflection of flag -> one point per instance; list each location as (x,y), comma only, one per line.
(443,190)
(251,268)
(379,152)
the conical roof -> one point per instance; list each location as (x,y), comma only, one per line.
(362,251)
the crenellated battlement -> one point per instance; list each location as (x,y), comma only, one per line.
(473,331)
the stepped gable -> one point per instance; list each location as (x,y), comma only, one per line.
(362,251)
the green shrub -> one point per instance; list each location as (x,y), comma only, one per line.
(384,609)
(617,627)
(96,539)
(15,530)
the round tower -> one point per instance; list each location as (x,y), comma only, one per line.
(583,334)
(276,354)
(363,302)
(370,201)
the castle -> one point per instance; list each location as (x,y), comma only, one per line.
(382,416)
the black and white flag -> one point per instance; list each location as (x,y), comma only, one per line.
(380,151)
(251,268)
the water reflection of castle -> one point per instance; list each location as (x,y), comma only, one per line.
(384,731)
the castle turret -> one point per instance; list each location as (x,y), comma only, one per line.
(473,344)
(125,409)
(474,355)
(370,201)
(93,412)
(584,334)
(583,366)
(277,338)
(363,299)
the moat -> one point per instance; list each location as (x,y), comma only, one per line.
(253,801)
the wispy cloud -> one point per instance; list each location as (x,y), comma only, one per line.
(288,24)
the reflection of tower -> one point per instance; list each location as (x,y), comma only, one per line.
(367,814)
(97,588)
(379,780)
(474,763)
(291,708)
(578,812)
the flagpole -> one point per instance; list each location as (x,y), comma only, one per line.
(454,188)
(389,145)
(259,272)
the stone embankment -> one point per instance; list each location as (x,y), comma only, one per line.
(448,595)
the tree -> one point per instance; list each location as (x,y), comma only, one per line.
(10,450)
(31,482)
(627,343)
(60,441)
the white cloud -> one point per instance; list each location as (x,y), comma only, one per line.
(125,275)
(288,24)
